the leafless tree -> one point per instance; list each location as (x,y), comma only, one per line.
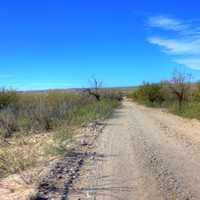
(180,85)
(94,89)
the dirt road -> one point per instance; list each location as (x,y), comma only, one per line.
(143,154)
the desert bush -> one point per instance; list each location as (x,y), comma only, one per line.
(178,95)
(7,122)
(45,111)
(7,98)
(60,112)
(38,112)
(149,94)
(33,113)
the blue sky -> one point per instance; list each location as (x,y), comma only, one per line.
(61,44)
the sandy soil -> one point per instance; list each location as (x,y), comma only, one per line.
(143,154)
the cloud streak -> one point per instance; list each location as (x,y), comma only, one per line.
(178,46)
(194,63)
(167,23)
(184,46)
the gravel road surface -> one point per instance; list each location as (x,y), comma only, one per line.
(143,154)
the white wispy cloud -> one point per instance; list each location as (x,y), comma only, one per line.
(194,63)
(184,46)
(167,23)
(178,46)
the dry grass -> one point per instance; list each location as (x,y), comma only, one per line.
(40,126)
(23,152)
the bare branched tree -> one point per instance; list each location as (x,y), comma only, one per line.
(180,85)
(94,89)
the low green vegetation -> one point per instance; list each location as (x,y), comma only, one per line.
(34,113)
(149,94)
(178,95)
(34,126)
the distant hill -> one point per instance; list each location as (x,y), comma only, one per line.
(127,89)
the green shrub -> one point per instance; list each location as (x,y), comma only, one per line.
(149,94)
(165,94)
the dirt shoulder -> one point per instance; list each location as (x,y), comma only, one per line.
(53,179)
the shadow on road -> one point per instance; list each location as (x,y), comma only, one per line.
(104,186)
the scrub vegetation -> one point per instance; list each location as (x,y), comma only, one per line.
(179,95)
(34,126)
